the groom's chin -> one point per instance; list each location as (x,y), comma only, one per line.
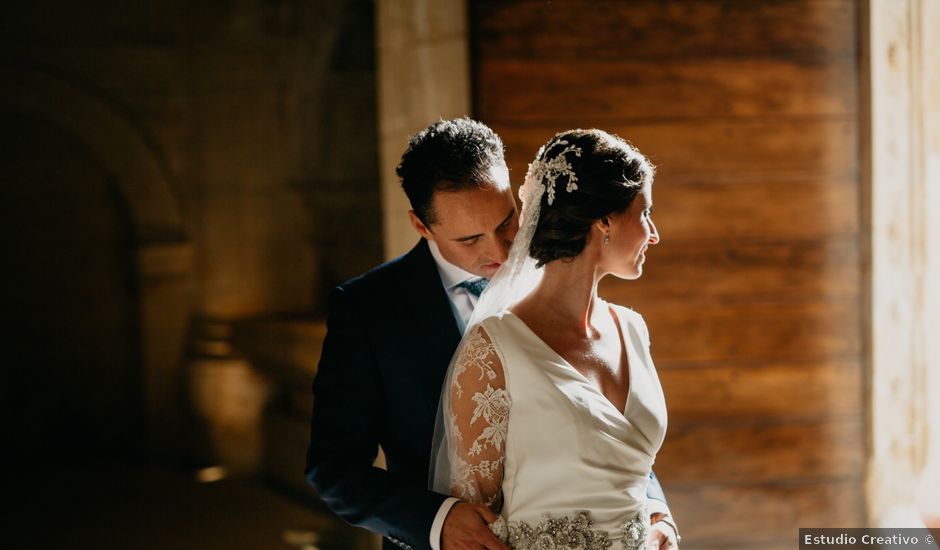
(489,270)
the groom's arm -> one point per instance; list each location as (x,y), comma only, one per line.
(655,491)
(344,438)
(657,507)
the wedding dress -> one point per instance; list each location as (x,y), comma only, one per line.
(535,440)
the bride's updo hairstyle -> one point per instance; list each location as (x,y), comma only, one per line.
(608,173)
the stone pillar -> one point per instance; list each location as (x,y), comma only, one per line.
(901,94)
(424,75)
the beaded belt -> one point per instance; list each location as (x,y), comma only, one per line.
(570,533)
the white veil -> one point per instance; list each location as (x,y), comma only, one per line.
(514,280)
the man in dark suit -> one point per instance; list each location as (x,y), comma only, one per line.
(390,336)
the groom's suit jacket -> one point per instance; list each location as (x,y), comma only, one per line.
(390,336)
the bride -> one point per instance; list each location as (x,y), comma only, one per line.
(552,412)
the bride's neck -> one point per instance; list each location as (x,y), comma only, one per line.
(567,294)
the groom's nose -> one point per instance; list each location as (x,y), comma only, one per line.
(498,249)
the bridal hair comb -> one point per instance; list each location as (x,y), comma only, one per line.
(547,171)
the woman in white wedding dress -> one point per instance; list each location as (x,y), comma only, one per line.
(552,412)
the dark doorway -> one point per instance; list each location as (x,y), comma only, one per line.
(71,367)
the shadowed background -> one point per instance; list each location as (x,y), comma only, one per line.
(184,183)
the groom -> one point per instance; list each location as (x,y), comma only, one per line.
(391,334)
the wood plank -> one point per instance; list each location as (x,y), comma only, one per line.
(708,515)
(713,150)
(764,390)
(720,269)
(625,90)
(691,332)
(761,210)
(645,29)
(762,451)
(753,298)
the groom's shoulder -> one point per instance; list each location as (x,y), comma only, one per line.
(384,276)
(374,278)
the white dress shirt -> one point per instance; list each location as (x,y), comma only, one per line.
(462,302)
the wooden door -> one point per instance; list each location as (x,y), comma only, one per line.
(753,298)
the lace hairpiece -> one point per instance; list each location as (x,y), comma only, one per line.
(547,171)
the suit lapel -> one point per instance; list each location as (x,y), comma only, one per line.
(433,319)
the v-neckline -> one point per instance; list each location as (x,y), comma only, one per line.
(624,354)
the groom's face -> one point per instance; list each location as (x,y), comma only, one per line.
(474,228)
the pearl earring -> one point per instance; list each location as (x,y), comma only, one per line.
(606,238)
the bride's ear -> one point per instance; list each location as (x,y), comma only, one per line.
(600,230)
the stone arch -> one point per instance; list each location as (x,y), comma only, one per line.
(120,146)
(164,253)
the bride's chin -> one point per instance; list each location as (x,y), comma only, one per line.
(629,276)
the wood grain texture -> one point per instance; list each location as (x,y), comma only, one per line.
(717,514)
(781,210)
(619,89)
(689,332)
(711,150)
(753,298)
(644,29)
(721,269)
(761,451)
(753,391)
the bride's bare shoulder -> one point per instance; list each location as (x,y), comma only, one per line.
(625,310)
(628,313)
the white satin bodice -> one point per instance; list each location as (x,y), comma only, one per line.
(567,447)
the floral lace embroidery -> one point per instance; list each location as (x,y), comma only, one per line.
(480,417)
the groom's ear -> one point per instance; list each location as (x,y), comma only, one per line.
(419,226)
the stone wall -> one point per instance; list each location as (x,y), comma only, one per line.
(240,139)
(424,76)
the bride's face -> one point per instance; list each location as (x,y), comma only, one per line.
(631,234)
(474,228)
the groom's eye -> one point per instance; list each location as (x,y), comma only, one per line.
(470,242)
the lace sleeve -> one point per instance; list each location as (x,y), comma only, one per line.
(480,415)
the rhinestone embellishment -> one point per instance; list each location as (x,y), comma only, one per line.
(570,533)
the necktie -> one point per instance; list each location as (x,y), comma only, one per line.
(474,286)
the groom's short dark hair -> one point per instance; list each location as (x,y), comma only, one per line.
(449,155)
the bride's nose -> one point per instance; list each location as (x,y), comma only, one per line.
(654,233)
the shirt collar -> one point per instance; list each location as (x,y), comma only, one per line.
(451,275)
